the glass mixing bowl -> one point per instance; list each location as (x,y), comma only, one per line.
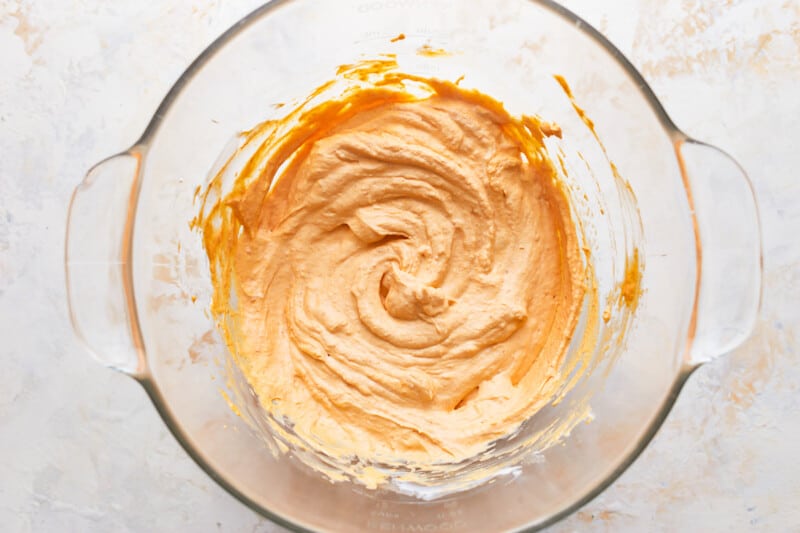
(139,287)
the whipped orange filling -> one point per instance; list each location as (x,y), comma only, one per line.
(396,268)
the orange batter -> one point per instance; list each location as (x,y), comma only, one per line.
(396,268)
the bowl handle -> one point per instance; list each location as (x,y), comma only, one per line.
(97,258)
(728,237)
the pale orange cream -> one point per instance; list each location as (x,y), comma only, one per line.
(396,269)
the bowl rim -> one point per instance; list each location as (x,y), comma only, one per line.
(145,379)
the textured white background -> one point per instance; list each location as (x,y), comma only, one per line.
(81,447)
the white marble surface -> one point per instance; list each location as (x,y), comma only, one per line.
(81,447)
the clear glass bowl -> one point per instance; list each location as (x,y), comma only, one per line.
(139,287)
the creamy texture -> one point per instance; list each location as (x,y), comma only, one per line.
(396,269)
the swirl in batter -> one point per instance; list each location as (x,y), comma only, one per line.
(396,269)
